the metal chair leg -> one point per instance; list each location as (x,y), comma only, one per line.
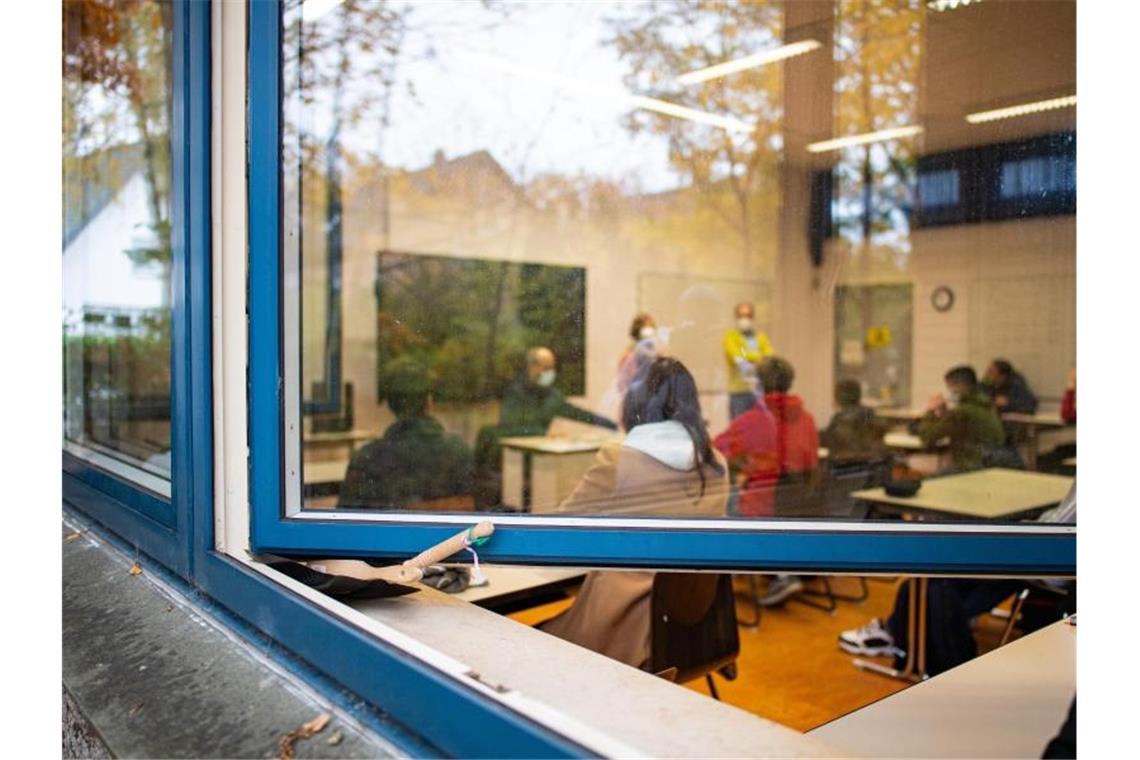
(753,598)
(1014,614)
(712,686)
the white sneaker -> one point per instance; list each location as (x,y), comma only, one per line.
(779,589)
(871,640)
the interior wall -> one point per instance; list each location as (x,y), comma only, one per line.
(966,258)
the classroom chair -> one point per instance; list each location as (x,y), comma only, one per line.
(693,628)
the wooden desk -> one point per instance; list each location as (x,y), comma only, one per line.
(511,585)
(539,472)
(1007,703)
(1033,424)
(323,478)
(350,439)
(900,415)
(985,494)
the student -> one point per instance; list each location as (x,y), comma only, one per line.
(1008,389)
(532,402)
(965,416)
(415,462)
(854,434)
(665,465)
(744,346)
(1069,400)
(797,456)
(951,604)
(749,446)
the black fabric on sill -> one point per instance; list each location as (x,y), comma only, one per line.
(340,586)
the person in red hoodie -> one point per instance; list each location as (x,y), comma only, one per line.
(797,452)
(749,445)
(797,439)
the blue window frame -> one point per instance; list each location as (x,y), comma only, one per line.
(178,532)
(277,526)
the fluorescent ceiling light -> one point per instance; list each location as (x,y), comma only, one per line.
(1024,109)
(863,139)
(949,5)
(750,61)
(612,92)
(311,10)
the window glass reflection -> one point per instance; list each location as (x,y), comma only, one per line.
(682,258)
(116,229)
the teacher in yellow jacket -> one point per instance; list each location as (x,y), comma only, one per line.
(744,347)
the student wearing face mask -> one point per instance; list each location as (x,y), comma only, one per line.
(532,402)
(744,348)
(966,416)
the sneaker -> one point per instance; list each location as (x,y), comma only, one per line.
(871,640)
(779,589)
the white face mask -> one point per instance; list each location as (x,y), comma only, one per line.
(647,332)
(744,324)
(952,398)
(545,378)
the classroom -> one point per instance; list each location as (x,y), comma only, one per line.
(614,378)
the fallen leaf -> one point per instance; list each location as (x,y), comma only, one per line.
(169,608)
(135,710)
(136,569)
(285,745)
(72,536)
(336,738)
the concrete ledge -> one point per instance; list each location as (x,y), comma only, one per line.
(148,673)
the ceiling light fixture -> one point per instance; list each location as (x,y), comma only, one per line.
(751,61)
(863,139)
(1068,101)
(612,92)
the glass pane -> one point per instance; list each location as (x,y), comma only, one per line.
(116,230)
(683,259)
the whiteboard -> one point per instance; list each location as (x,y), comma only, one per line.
(1032,322)
(700,311)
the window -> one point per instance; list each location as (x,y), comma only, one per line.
(479,205)
(117,252)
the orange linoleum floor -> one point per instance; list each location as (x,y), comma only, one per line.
(790,669)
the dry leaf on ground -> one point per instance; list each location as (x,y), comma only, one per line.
(336,738)
(135,710)
(73,536)
(316,725)
(136,569)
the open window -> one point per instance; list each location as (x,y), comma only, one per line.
(479,230)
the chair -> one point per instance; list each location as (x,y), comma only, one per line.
(1041,596)
(799,497)
(693,627)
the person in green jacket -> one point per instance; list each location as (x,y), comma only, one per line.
(532,402)
(416,463)
(966,416)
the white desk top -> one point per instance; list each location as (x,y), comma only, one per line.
(511,579)
(984,494)
(342,436)
(909,442)
(585,691)
(1040,419)
(1006,703)
(545,444)
(324,472)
